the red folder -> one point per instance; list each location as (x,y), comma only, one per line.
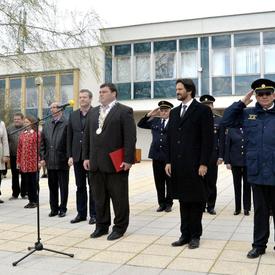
(117,158)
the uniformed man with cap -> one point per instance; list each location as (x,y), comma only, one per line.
(234,158)
(157,121)
(259,128)
(216,157)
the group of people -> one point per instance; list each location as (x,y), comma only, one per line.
(189,142)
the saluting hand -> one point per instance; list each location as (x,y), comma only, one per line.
(247,98)
(202,170)
(153,113)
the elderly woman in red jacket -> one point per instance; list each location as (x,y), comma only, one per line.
(27,161)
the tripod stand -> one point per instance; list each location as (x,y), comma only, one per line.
(38,246)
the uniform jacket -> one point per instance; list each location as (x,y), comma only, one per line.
(259,130)
(235,147)
(190,144)
(119,131)
(219,139)
(75,135)
(27,151)
(54,144)
(159,136)
(13,136)
(4,144)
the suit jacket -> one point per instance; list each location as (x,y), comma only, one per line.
(119,131)
(190,143)
(157,149)
(75,134)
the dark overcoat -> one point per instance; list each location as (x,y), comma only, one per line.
(119,131)
(190,143)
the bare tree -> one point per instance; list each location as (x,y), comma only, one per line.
(29,26)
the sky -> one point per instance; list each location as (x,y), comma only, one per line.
(114,13)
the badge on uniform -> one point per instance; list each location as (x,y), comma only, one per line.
(252,117)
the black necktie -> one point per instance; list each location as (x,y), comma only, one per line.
(183,110)
(162,123)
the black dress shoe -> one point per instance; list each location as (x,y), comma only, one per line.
(194,243)
(211,211)
(246,212)
(114,235)
(168,208)
(255,253)
(92,220)
(53,213)
(99,232)
(1,201)
(180,242)
(78,219)
(237,212)
(161,208)
(61,214)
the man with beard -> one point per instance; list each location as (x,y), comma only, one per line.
(189,148)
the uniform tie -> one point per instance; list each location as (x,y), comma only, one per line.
(162,124)
(183,110)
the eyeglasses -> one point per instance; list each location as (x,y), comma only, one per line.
(264,93)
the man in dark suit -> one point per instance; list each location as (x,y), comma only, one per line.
(109,127)
(54,155)
(76,125)
(157,121)
(189,148)
(216,157)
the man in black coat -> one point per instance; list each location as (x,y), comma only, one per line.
(54,155)
(157,121)
(216,156)
(189,148)
(76,125)
(109,127)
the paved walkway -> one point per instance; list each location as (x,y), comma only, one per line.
(145,248)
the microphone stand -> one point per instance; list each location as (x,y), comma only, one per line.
(38,246)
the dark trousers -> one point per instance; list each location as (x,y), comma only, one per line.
(31,181)
(162,182)
(113,186)
(81,177)
(58,179)
(211,184)
(263,199)
(239,175)
(191,216)
(16,189)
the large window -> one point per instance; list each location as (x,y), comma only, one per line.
(165,59)
(67,88)
(15,94)
(247,60)
(122,63)
(189,57)
(269,59)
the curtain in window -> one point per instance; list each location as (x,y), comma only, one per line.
(123,69)
(189,64)
(221,62)
(269,58)
(142,68)
(165,65)
(247,60)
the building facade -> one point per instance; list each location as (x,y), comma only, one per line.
(223,55)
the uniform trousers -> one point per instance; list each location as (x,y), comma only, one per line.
(239,173)
(211,184)
(16,189)
(106,187)
(58,179)
(81,176)
(191,216)
(162,182)
(263,199)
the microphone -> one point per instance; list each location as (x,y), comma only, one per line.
(63,106)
